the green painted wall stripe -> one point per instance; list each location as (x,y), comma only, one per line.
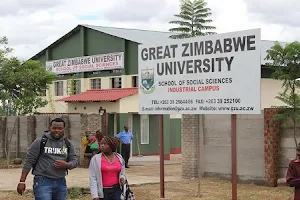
(175,133)
(167,140)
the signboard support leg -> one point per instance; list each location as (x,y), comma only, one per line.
(233,157)
(200,158)
(161,155)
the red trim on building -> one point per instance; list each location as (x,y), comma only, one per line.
(175,151)
(101,95)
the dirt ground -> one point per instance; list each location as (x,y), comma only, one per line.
(211,189)
(79,177)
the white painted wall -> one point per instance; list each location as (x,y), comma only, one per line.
(269,90)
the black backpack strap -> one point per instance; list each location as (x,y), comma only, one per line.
(44,140)
(68,144)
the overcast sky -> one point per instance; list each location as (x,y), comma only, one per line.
(32,25)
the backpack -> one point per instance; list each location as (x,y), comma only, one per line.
(43,144)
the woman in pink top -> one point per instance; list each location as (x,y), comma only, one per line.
(107,171)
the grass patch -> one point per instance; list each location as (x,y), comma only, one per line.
(74,193)
(211,189)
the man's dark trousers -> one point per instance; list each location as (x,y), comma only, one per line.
(125,153)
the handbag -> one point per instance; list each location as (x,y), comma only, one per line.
(94,146)
(127,194)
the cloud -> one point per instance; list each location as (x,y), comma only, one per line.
(16,7)
(136,10)
(32,25)
(285,13)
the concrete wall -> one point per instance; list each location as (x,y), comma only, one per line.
(28,128)
(215,146)
(287,150)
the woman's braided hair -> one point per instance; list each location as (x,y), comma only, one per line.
(113,142)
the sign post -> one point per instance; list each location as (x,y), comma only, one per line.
(161,156)
(233,157)
(214,74)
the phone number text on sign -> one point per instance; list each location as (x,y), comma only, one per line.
(197,101)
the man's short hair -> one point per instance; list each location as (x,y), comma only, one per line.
(58,120)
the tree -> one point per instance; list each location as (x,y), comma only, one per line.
(22,84)
(6,50)
(193,20)
(285,61)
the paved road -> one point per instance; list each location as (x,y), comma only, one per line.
(79,177)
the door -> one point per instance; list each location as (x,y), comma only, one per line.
(111,124)
(130,124)
(104,121)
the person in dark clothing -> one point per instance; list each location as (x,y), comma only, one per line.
(126,138)
(293,174)
(49,157)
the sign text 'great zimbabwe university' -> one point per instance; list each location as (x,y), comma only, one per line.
(87,63)
(198,48)
(213,67)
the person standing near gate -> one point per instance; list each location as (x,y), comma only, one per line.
(126,138)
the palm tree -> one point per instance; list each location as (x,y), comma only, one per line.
(193,21)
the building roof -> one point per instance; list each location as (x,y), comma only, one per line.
(144,37)
(101,95)
(134,35)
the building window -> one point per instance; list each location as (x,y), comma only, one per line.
(59,88)
(74,87)
(144,129)
(96,84)
(134,81)
(116,82)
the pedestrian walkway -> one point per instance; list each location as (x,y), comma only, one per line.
(142,170)
(151,160)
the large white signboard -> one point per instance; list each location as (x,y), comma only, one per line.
(216,74)
(87,63)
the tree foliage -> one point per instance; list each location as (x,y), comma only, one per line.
(5,49)
(22,84)
(193,20)
(285,61)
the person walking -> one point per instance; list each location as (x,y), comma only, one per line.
(107,171)
(49,157)
(126,138)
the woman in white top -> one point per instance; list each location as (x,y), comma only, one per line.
(107,171)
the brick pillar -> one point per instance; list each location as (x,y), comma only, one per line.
(271,146)
(189,142)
